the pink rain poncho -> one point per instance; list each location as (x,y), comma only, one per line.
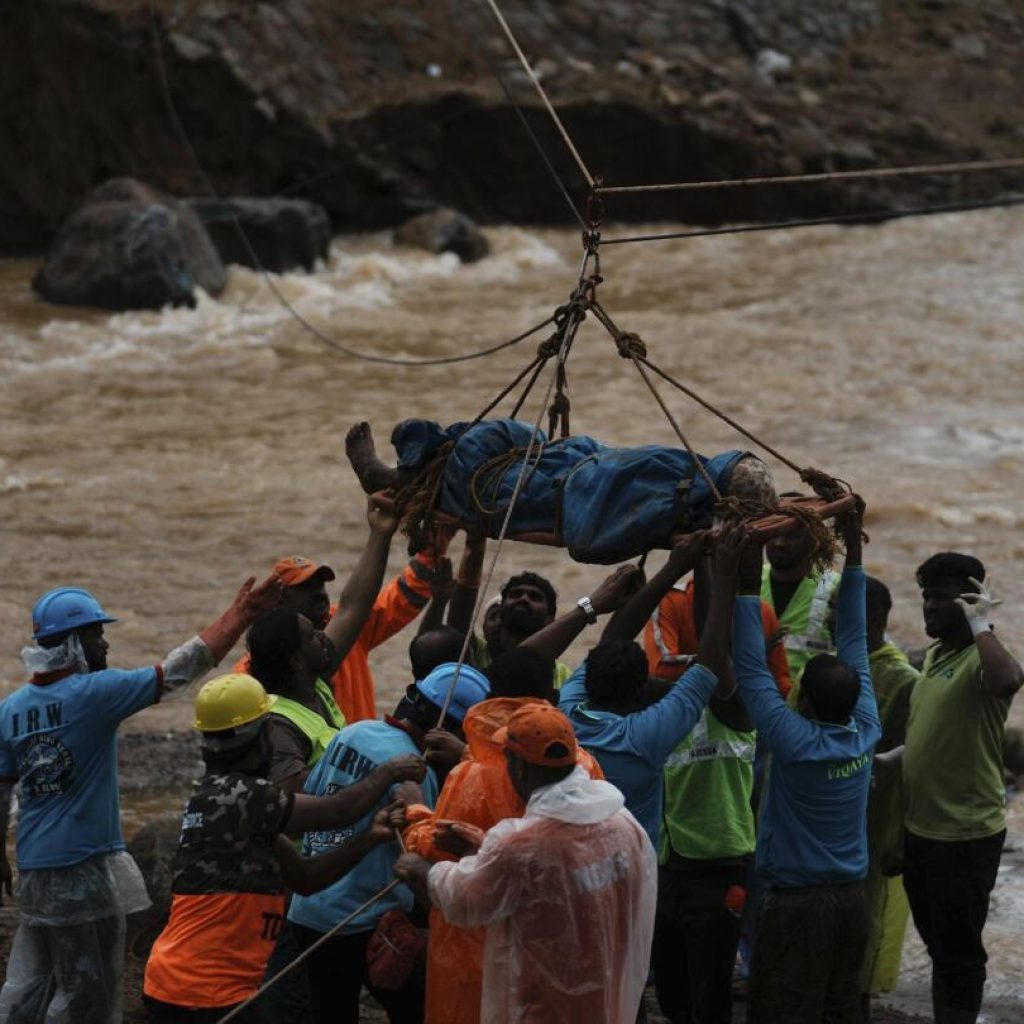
(567,894)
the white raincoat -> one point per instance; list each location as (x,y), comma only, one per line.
(567,893)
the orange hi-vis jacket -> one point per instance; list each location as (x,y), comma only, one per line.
(477,792)
(670,639)
(398,603)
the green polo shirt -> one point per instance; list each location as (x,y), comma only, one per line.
(953,762)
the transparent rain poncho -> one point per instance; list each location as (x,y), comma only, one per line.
(67,959)
(567,894)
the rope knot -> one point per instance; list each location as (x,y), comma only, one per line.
(550,347)
(630,346)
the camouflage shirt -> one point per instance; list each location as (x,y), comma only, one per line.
(228,837)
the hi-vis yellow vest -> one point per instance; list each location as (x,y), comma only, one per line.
(805,621)
(319,729)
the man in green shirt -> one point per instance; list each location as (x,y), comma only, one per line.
(953,779)
(799,594)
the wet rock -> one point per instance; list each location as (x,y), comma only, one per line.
(970,47)
(444,231)
(268,234)
(153,848)
(130,247)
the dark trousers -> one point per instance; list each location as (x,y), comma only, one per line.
(807,961)
(287,1000)
(695,940)
(337,975)
(167,1013)
(948,886)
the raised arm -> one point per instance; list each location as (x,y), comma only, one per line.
(359,592)
(440,593)
(194,657)
(851,623)
(1000,672)
(610,594)
(467,583)
(779,727)
(631,618)
(349,804)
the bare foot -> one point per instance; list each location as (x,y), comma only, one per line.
(362,454)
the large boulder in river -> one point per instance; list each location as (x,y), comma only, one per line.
(266,234)
(130,247)
(444,231)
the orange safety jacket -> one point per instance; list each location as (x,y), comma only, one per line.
(670,639)
(397,604)
(477,792)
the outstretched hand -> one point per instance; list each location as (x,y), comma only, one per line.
(977,605)
(688,551)
(850,525)
(615,590)
(256,598)
(729,547)
(381,513)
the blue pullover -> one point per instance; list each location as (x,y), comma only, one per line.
(813,828)
(632,749)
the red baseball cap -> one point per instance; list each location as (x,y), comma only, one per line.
(540,734)
(296,569)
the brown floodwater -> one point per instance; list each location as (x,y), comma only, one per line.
(160,458)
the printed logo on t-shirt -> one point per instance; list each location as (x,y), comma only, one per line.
(844,769)
(45,766)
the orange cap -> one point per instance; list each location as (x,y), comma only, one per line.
(540,734)
(295,570)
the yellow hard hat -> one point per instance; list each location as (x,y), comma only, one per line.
(230,701)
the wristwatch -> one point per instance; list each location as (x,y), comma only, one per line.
(588,609)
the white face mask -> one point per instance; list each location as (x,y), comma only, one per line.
(69,654)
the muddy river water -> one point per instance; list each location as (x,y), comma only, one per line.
(159,458)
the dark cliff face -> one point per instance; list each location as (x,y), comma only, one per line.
(379,110)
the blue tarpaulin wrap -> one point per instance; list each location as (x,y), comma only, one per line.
(604,504)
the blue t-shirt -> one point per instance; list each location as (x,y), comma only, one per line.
(632,749)
(813,826)
(351,756)
(59,740)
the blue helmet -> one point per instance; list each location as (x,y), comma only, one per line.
(64,609)
(470,688)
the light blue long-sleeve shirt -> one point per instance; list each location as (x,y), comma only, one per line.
(813,819)
(632,749)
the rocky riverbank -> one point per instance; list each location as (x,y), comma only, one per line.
(379,110)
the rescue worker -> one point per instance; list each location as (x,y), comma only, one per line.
(707,837)
(338,968)
(478,793)
(953,779)
(58,741)
(799,594)
(377,614)
(892,679)
(234,861)
(566,891)
(601,699)
(287,655)
(812,837)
